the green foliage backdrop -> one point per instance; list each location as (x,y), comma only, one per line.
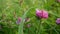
(10,10)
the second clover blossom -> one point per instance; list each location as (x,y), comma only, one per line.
(41,13)
(58,21)
(18,20)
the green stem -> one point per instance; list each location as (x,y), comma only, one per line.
(20,30)
(40,26)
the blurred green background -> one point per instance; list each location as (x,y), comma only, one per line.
(10,10)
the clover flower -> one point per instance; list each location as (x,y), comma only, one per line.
(18,20)
(58,21)
(41,13)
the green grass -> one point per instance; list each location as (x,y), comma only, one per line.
(10,10)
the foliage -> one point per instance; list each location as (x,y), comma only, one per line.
(10,10)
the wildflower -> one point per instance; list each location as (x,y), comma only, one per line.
(58,21)
(19,20)
(41,13)
(58,0)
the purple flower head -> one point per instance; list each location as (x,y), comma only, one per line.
(18,21)
(58,21)
(58,0)
(41,13)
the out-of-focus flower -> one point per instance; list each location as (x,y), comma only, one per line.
(58,0)
(18,21)
(41,13)
(28,25)
(58,21)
